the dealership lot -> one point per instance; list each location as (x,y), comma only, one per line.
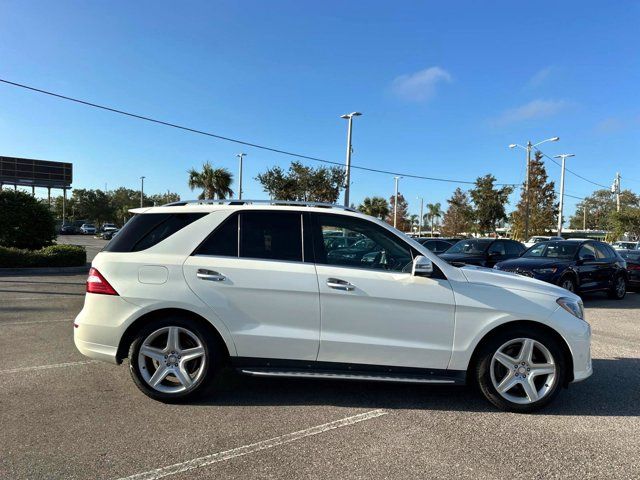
(63,416)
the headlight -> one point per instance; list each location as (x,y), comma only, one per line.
(574,307)
(545,271)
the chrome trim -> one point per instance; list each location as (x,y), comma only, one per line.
(342,376)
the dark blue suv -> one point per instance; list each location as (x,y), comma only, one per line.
(577,265)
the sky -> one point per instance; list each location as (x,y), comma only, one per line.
(444,88)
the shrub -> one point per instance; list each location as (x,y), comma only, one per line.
(24,221)
(51,256)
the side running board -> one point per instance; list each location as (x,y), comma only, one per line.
(340,375)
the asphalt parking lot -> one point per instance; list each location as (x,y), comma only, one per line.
(63,416)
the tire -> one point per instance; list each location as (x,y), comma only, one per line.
(178,378)
(618,289)
(568,283)
(547,355)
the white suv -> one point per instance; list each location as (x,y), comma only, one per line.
(263,287)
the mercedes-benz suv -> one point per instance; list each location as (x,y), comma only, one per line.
(187,288)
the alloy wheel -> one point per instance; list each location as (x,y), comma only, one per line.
(523,371)
(172,359)
(567,284)
(621,287)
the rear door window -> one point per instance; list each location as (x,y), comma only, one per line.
(223,241)
(144,231)
(271,235)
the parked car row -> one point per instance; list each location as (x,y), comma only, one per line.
(107,230)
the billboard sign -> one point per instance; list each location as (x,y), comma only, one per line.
(26,172)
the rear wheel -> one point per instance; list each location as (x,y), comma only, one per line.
(619,288)
(522,370)
(173,359)
(568,283)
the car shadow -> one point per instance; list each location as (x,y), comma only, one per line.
(613,390)
(600,300)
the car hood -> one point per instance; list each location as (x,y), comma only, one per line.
(497,278)
(530,263)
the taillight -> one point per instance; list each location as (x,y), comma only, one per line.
(633,266)
(96,283)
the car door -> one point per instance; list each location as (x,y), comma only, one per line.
(253,272)
(376,312)
(605,258)
(587,267)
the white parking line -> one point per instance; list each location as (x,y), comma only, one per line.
(253,447)
(31,322)
(46,367)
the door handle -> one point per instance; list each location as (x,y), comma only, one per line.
(210,275)
(340,284)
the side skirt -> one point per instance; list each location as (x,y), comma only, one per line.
(266,367)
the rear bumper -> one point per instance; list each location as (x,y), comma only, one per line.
(99,326)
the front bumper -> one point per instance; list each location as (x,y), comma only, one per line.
(577,335)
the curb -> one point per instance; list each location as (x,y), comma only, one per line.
(44,270)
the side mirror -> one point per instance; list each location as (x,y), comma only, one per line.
(422,267)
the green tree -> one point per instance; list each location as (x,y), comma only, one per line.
(403,223)
(163,198)
(301,183)
(626,222)
(458,218)
(434,212)
(543,209)
(93,205)
(215,182)
(375,206)
(489,203)
(600,207)
(25,222)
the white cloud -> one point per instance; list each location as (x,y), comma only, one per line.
(539,77)
(534,109)
(420,86)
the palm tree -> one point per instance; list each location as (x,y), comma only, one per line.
(215,182)
(434,211)
(375,206)
(414,220)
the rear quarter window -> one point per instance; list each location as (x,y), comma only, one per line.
(146,230)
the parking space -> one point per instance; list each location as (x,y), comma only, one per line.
(65,417)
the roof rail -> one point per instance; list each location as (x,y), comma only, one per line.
(258,202)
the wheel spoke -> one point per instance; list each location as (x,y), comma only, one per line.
(182,376)
(506,360)
(526,353)
(507,383)
(158,376)
(152,352)
(173,340)
(530,389)
(191,353)
(542,369)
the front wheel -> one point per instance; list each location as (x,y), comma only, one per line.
(521,371)
(173,359)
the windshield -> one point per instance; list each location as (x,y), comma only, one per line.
(470,247)
(559,249)
(537,239)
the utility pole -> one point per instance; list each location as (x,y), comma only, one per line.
(347,180)
(564,156)
(395,203)
(142,191)
(615,188)
(240,157)
(420,219)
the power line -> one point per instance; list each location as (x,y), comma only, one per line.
(234,140)
(571,171)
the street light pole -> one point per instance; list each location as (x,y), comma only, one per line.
(142,191)
(563,156)
(240,157)
(527,180)
(420,219)
(347,183)
(395,203)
